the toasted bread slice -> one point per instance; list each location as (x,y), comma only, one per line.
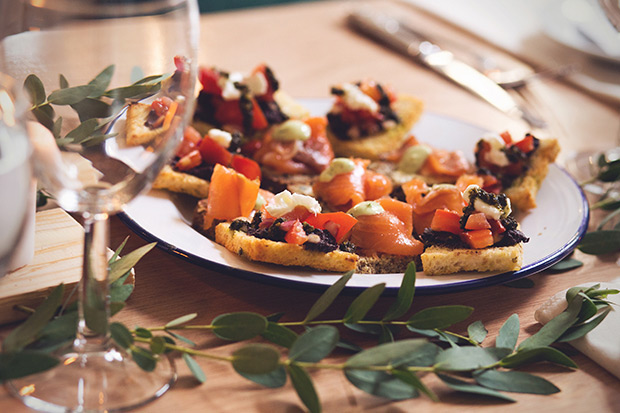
(257,249)
(522,192)
(441,260)
(138,133)
(174,181)
(384,263)
(408,110)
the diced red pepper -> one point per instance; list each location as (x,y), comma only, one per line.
(191,140)
(189,161)
(447,221)
(506,137)
(343,223)
(214,153)
(209,77)
(477,239)
(296,235)
(259,121)
(246,166)
(477,221)
(271,87)
(526,144)
(497,227)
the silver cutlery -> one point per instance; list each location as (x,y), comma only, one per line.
(404,39)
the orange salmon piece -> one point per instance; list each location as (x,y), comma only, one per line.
(231,195)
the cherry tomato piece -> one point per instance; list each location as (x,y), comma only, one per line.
(246,166)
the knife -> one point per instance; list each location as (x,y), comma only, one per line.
(389,30)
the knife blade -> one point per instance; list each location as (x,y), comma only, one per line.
(405,40)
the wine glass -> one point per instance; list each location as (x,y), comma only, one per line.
(86,65)
(15,171)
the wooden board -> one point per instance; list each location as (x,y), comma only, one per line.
(57,259)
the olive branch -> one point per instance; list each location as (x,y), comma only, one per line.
(394,369)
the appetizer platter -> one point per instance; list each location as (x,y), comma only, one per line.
(298,191)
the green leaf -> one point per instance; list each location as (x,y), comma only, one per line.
(153,79)
(29,330)
(405,295)
(435,335)
(121,335)
(83,131)
(314,345)
(566,264)
(327,298)
(115,307)
(386,335)
(121,266)
(304,388)
(180,337)
(256,358)
(239,326)
(24,363)
(45,116)
(515,381)
(101,82)
(280,335)
(383,354)
(272,380)
(374,329)
(465,387)
(509,333)
(588,309)
(467,358)
(424,356)
(439,317)
(534,355)
(133,92)
(610,171)
(143,358)
(414,381)
(181,320)
(121,293)
(579,331)
(57,128)
(195,368)
(554,329)
(35,89)
(91,108)
(63,82)
(136,74)
(477,332)
(158,345)
(58,332)
(70,95)
(363,303)
(379,383)
(600,242)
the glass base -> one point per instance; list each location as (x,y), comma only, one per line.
(103,381)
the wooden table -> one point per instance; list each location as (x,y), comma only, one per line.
(310,48)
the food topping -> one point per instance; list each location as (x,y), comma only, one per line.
(361,109)
(291,130)
(492,205)
(336,167)
(503,158)
(366,208)
(222,137)
(414,158)
(285,202)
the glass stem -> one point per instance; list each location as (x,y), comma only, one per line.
(93,299)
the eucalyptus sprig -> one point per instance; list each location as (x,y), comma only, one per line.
(95,104)
(396,368)
(605,238)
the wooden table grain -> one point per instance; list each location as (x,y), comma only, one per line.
(310,48)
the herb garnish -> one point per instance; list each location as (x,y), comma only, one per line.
(95,104)
(393,369)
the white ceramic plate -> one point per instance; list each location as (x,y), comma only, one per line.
(570,22)
(554,227)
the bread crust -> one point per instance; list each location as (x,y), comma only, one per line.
(137,132)
(441,260)
(408,108)
(174,181)
(263,250)
(522,192)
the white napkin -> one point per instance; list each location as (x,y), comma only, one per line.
(522,28)
(602,344)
